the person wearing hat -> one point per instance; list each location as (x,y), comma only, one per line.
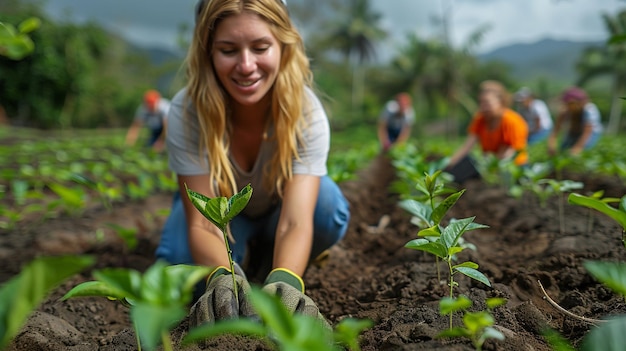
(536,114)
(395,121)
(151,113)
(583,121)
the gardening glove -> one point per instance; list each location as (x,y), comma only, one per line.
(289,288)
(219,302)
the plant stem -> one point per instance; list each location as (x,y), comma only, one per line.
(230,260)
(451,287)
(167,343)
(561,220)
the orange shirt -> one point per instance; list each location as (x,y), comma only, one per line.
(511,132)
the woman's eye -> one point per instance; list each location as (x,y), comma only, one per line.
(228,51)
(261,49)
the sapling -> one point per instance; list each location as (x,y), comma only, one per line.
(443,242)
(158,299)
(220,211)
(477,326)
(545,188)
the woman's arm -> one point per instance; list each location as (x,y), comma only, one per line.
(206,241)
(555,133)
(579,146)
(463,150)
(294,234)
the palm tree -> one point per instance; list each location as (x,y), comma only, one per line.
(355,38)
(608,60)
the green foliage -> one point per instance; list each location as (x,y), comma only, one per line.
(15,43)
(220,211)
(609,336)
(158,299)
(283,330)
(477,326)
(23,293)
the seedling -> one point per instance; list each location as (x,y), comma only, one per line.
(443,242)
(545,188)
(15,43)
(220,211)
(157,300)
(477,326)
(23,293)
(284,330)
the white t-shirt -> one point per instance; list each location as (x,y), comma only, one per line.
(184,159)
(537,109)
(153,119)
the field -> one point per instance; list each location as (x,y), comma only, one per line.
(369,275)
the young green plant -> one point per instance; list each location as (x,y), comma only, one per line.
(602,204)
(158,299)
(444,241)
(23,293)
(477,326)
(220,211)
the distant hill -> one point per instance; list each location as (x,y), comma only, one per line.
(547,58)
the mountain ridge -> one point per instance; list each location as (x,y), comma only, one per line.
(546,58)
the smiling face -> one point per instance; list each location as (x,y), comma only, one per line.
(246,58)
(490,104)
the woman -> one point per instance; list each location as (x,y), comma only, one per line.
(249,115)
(499,130)
(584,122)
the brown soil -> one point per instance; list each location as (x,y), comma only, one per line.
(369,274)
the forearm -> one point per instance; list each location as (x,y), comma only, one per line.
(207,246)
(292,248)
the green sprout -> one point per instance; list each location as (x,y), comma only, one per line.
(157,299)
(602,204)
(477,326)
(220,211)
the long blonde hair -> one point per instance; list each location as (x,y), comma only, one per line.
(210,99)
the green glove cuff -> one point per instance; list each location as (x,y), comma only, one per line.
(219,270)
(286,276)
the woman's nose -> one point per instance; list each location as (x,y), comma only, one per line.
(247,62)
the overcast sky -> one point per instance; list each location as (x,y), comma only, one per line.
(156,22)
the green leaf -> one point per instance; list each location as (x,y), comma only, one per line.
(94,288)
(432,232)
(556,341)
(348,330)
(451,234)
(417,209)
(468,264)
(24,292)
(615,214)
(127,281)
(475,322)
(29,25)
(434,248)
(492,333)
(474,274)
(214,209)
(440,211)
(449,305)
(611,274)
(238,202)
(494,302)
(609,336)
(152,321)
(273,313)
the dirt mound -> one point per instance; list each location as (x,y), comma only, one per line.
(370,274)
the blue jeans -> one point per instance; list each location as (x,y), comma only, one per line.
(570,140)
(538,136)
(330,222)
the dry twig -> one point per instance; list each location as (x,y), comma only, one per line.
(563,310)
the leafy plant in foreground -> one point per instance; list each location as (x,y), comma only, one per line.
(22,293)
(602,204)
(158,299)
(444,241)
(15,42)
(283,330)
(477,326)
(220,211)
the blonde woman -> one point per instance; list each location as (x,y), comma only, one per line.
(249,115)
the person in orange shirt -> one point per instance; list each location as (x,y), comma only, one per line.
(499,130)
